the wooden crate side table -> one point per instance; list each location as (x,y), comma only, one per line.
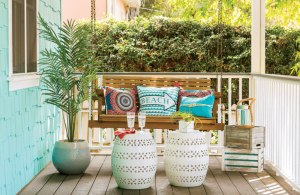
(243,137)
(243,160)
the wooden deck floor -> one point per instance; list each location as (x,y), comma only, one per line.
(98,179)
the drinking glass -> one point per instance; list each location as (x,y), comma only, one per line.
(142,120)
(130,119)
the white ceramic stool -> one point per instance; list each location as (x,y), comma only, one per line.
(134,160)
(186,159)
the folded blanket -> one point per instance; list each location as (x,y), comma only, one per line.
(122,133)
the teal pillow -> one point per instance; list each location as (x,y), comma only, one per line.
(201,107)
(158,101)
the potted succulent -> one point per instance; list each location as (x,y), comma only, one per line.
(188,122)
(66,90)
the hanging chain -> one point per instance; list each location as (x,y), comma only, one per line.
(220,43)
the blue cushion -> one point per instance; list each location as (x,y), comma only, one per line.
(201,107)
(158,101)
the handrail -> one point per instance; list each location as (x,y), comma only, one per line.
(276,76)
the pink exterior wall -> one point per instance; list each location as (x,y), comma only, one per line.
(120,7)
(79,9)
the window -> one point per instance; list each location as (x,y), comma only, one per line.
(23,44)
(24,36)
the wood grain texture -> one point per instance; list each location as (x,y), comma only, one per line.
(103,178)
(272,184)
(244,138)
(156,122)
(99,179)
(113,188)
(89,176)
(197,190)
(163,186)
(211,185)
(280,180)
(257,185)
(222,178)
(238,180)
(180,190)
(38,183)
(53,184)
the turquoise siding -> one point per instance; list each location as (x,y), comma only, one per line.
(28,127)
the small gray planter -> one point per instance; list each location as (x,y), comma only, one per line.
(71,157)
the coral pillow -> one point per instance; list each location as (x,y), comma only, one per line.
(120,101)
(193,93)
(158,101)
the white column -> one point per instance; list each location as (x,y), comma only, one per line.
(258,37)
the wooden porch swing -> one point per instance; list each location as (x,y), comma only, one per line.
(158,122)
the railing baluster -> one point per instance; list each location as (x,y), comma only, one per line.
(240,88)
(111,137)
(229,101)
(79,123)
(165,136)
(101,137)
(220,133)
(90,115)
(154,130)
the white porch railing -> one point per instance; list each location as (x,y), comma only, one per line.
(98,133)
(278,109)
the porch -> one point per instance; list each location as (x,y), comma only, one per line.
(98,179)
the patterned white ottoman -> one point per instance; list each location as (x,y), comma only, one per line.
(134,160)
(186,159)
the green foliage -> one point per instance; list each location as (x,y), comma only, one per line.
(296,68)
(173,45)
(186,116)
(62,88)
(235,12)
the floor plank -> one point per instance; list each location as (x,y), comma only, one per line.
(271,183)
(131,192)
(103,178)
(211,185)
(69,183)
(222,178)
(197,190)
(180,190)
(238,180)
(113,188)
(85,183)
(163,186)
(98,179)
(149,191)
(256,183)
(39,181)
(280,180)
(53,184)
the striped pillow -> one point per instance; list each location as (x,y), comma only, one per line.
(158,101)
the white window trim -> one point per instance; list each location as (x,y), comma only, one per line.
(22,80)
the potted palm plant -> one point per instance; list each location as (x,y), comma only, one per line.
(188,121)
(66,90)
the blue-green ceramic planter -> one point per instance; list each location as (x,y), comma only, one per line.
(71,157)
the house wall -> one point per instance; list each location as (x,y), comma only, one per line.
(81,9)
(28,127)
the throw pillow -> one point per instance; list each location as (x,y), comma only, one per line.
(193,93)
(120,101)
(201,107)
(158,101)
